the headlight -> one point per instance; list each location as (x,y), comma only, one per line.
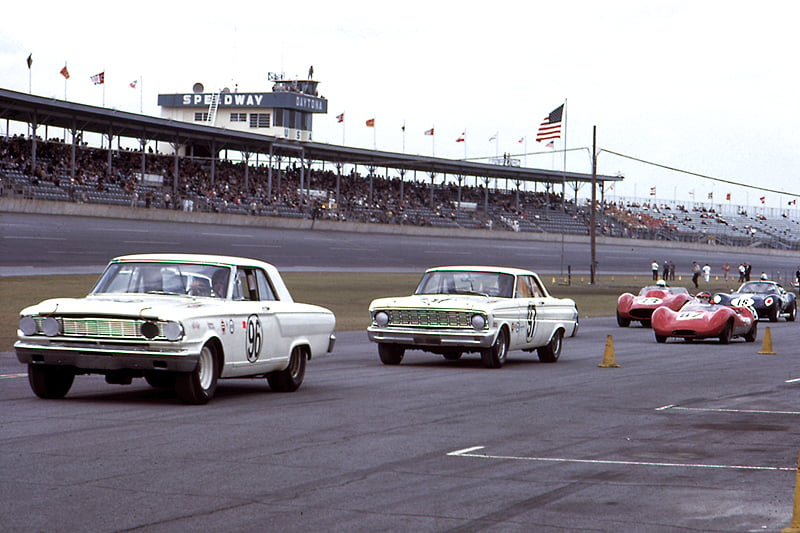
(173,331)
(51,326)
(28,325)
(149,330)
(381,319)
(478,321)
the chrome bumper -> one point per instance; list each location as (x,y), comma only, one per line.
(106,357)
(468,339)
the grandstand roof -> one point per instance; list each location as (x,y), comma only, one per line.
(22,107)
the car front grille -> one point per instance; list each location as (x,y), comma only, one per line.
(106,328)
(425,318)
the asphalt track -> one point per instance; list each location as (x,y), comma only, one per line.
(33,243)
(681,437)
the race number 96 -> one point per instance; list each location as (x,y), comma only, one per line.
(255,336)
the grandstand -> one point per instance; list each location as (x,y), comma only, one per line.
(315,181)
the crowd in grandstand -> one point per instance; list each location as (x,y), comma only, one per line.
(130,177)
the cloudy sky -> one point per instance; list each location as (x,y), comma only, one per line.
(708,87)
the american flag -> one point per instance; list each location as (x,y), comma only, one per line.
(550,128)
(429,132)
(462,138)
(370,122)
(99,79)
(340,118)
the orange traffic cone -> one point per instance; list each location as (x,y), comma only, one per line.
(795,526)
(766,345)
(609,360)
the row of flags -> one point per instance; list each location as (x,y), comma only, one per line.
(762,199)
(549,129)
(97,79)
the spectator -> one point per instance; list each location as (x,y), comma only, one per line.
(695,273)
(654,268)
(707,273)
(725,269)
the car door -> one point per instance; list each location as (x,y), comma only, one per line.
(533,312)
(254,346)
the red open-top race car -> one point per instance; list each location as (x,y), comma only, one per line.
(702,319)
(650,298)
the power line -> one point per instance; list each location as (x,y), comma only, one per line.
(720,180)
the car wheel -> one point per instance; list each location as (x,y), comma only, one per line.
(50,382)
(160,380)
(452,356)
(753,333)
(773,313)
(391,354)
(727,333)
(661,339)
(198,387)
(495,356)
(290,379)
(622,321)
(552,350)
(792,312)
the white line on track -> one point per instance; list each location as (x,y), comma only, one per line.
(466,453)
(716,410)
(795,380)
(34,238)
(150,242)
(13,376)
(251,245)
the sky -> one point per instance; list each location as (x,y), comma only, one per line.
(706,87)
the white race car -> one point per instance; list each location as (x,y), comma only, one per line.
(180,321)
(458,309)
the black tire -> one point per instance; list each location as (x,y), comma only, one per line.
(452,356)
(773,313)
(623,322)
(751,335)
(50,382)
(552,350)
(661,339)
(198,387)
(290,379)
(727,333)
(161,380)
(792,312)
(495,356)
(391,354)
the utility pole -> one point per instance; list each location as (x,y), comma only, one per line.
(592,215)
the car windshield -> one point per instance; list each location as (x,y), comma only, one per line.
(757,287)
(670,290)
(466,282)
(164,278)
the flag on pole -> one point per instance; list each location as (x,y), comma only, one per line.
(763,199)
(521,140)
(133,84)
(99,79)
(551,144)
(550,128)
(711,195)
(429,132)
(493,138)
(728,196)
(30,60)
(64,72)
(652,191)
(462,138)
(340,118)
(370,122)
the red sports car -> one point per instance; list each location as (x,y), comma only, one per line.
(641,306)
(701,319)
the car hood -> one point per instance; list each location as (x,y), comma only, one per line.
(132,305)
(440,301)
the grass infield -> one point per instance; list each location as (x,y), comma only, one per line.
(347,294)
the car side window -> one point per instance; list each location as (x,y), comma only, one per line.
(524,287)
(265,291)
(245,286)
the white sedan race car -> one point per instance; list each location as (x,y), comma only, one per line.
(179,321)
(490,310)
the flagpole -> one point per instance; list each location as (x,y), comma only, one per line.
(141,90)
(104,86)
(564,181)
